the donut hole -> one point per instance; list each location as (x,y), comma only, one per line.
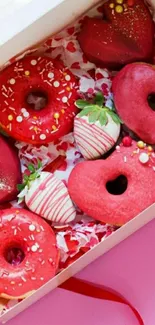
(37,99)
(117,186)
(151,101)
(14,255)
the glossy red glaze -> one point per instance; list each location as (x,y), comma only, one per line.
(40,77)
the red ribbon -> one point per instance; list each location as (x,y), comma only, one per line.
(100,292)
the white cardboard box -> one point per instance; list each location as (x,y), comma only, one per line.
(22,23)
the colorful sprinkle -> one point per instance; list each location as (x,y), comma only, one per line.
(67,77)
(56,84)
(111,5)
(26,114)
(50,75)
(27,73)
(54,127)
(33,62)
(32,227)
(56,115)
(143,158)
(23,110)
(119,2)
(140,144)
(12,81)
(119,9)
(19,119)
(34,248)
(42,136)
(10,117)
(64,99)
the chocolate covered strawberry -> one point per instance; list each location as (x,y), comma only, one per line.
(47,196)
(96,127)
(125,34)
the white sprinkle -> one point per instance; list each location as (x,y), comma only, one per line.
(125,159)
(40,250)
(25,239)
(34,248)
(42,136)
(48,82)
(24,280)
(12,81)
(143,158)
(56,84)
(32,237)
(20,284)
(32,227)
(41,227)
(19,119)
(5,95)
(11,108)
(3,87)
(33,278)
(41,72)
(23,110)
(6,102)
(42,279)
(118,148)
(67,77)
(26,114)
(33,137)
(43,262)
(51,260)
(33,62)
(28,249)
(15,232)
(64,99)
(153,168)
(12,282)
(50,75)
(37,245)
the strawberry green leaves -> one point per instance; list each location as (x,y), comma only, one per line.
(96,111)
(27,179)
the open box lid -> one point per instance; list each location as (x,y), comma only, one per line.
(24,23)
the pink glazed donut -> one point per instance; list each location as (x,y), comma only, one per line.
(117,189)
(28,253)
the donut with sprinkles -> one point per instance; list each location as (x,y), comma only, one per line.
(28,253)
(37,100)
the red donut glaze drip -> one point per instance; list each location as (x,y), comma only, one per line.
(23,230)
(37,75)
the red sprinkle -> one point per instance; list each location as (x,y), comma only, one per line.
(127,141)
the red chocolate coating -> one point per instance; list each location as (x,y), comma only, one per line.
(22,229)
(10,172)
(120,39)
(88,186)
(131,88)
(37,75)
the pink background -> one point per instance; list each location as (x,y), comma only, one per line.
(129,268)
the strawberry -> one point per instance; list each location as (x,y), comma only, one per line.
(46,196)
(96,127)
(125,34)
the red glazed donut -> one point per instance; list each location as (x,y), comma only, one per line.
(37,100)
(37,258)
(133,88)
(117,189)
(10,172)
